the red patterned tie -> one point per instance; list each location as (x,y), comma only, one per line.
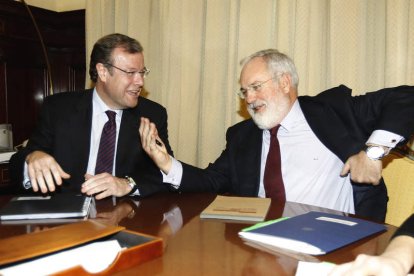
(105,159)
(273,182)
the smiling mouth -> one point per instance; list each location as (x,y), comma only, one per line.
(135,92)
(256,107)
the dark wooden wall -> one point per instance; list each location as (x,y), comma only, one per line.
(24,80)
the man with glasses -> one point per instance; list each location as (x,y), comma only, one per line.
(326,149)
(88,141)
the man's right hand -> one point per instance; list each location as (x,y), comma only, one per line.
(153,145)
(44,172)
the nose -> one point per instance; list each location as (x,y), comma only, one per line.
(138,79)
(250,96)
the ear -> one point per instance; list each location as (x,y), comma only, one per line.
(285,83)
(102,71)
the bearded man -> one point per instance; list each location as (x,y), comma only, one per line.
(329,147)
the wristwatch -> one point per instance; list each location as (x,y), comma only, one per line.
(131,184)
(375,152)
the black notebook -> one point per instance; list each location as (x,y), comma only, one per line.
(45,207)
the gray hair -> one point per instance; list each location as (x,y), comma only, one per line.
(277,63)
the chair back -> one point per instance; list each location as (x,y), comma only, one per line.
(398,174)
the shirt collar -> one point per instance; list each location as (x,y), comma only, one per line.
(99,106)
(294,116)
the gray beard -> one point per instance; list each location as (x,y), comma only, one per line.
(263,121)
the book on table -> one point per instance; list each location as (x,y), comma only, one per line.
(237,208)
(56,206)
(313,233)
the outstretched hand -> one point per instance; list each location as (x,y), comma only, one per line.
(153,145)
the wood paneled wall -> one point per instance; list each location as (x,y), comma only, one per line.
(24,79)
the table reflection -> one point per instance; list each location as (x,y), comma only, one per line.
(193,245)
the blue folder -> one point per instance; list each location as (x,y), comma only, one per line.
(313,233)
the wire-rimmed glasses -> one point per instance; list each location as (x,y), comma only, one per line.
(254,87)
(144,72)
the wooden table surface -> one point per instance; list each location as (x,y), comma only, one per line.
(195,246)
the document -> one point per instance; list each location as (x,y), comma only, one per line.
(313,233)
(317,268)
(57,206)
(94,257)
(237,208)
(314,268)
(5,156)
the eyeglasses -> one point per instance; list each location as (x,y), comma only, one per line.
(255,87)
(144,72)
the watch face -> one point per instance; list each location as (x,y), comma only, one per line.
(375,152)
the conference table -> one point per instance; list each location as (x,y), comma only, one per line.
(194,246)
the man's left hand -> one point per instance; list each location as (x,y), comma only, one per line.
(104,185)
(363,169)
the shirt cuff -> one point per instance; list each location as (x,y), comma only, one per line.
(384,138)
(175,174)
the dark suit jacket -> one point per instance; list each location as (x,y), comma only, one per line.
(407,228)
(341,122)
(64,131)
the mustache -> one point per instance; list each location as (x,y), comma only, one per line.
(255,105)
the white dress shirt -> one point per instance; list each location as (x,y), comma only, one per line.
(99,118)
(310,171)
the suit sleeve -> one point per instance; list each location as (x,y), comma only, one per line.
(407,228)
(214,178)
(41,139)
(388,109)
(230,171)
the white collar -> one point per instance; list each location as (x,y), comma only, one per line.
(99,106)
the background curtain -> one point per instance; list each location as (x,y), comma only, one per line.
(193,48)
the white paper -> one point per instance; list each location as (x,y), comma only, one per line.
(320,269)
(309,268)
(5,156)
(94,257)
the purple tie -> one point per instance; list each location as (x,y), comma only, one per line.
(105,159)
(272,180)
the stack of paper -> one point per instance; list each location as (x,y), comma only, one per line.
(313,233)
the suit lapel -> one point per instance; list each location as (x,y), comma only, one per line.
(128,139)
(81,124)
(248,159)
